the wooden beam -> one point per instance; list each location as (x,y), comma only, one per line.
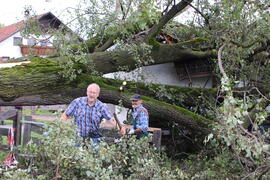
(156,139)
(7,115)
(26,130)
(4,129)
(17,127)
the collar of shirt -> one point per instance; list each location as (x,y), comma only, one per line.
(137,108)
(94,105)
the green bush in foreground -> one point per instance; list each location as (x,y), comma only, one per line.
(56,157)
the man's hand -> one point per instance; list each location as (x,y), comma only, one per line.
(64,117)
(123,131)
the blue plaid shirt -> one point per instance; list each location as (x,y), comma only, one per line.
(140,118)
(88,118)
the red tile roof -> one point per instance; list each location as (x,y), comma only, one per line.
(8,31)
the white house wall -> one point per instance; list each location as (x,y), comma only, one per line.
(8,49)
(161,74)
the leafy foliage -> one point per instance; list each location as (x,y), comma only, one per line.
(213,163)
(57,157)
(239,27)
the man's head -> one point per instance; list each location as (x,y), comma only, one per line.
(92,92)
(136,100)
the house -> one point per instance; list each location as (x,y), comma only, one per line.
(14,44)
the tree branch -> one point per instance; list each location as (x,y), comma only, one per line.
(220,61)
(168,16)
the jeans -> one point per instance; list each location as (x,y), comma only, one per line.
(94,141)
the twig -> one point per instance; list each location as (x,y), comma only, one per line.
(263,172)
(240,162)
(257,169)
(260,93)
(241,127)
(220,61)
(166,9)
(198,11)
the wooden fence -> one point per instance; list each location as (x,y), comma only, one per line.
(22,128)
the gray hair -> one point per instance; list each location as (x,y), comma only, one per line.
(94,85)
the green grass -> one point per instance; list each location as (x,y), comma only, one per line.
(26,111)
(3,156)
(3,140)
(38,112)
(45,121)
(8,122)
(36,135)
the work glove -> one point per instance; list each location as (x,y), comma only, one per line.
(131,131)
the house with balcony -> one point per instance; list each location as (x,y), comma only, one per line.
(14,44)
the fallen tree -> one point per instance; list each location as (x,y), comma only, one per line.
(39,83)
(237,30)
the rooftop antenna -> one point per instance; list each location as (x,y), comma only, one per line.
(26,13)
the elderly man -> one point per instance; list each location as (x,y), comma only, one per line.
(140,118)
(88,113)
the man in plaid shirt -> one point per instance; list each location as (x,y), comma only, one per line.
(140,118)
(88,113)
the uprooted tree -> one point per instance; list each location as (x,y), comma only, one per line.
(234,37)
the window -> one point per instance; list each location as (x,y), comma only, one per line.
(31,42)
(17,41)
(195,68)
(4,58)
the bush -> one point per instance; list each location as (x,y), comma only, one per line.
(217,163)
(57,157)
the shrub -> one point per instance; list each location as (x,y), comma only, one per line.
(57,157)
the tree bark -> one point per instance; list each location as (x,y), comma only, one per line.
(164,113)
(38,83)
(112,61)
(28,83)
(167,17)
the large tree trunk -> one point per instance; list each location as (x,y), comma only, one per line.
(39,83)
(163,113)
(112,61)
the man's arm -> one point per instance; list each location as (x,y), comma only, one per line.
(64,117)
(112,122)
(70,111)
(142,123)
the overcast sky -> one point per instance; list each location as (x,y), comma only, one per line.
(11,11)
